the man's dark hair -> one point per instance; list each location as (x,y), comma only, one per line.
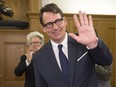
(50,8)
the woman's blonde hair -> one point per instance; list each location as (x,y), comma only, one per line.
(35,34)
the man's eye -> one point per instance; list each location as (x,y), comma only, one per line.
(48,24)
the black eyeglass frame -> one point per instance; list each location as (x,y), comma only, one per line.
(50,24)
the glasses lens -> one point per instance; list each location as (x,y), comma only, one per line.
(58,22)
(50,24)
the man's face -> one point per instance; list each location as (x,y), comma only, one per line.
(55,26)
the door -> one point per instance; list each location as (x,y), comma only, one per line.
(12,45)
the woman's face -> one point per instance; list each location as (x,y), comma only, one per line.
(35,43)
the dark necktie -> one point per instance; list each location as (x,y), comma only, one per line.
(64,62)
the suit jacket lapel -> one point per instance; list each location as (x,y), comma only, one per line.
(51,57)
(72,58)
(74,53)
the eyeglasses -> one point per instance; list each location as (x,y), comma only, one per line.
(35,43)
(50,24)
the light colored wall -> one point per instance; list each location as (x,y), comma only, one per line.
(102,7)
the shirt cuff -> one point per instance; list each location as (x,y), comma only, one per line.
(27,63)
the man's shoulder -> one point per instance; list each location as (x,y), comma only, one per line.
(43,49)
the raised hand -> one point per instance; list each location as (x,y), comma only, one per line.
(29,54)
(86,32)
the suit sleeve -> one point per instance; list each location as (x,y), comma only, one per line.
(101,55)
(20,69)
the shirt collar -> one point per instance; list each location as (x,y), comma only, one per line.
(64,42)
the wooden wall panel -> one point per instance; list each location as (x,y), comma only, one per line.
(12,53)
(13,45)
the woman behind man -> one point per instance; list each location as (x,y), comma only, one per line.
(35,41)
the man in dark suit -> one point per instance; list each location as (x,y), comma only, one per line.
(82,51)
(35,41)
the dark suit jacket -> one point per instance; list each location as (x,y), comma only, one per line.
(81,62)
(28,70)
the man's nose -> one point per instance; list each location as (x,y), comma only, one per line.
(55,26)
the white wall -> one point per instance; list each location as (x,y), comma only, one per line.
(102,7)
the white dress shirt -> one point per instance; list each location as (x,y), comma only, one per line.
(64,48)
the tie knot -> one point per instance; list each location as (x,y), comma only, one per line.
(60,46)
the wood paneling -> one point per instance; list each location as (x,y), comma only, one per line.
(13,45)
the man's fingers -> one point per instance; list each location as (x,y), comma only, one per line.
(81,18)
(90,21)
(76,21)
(85,19)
